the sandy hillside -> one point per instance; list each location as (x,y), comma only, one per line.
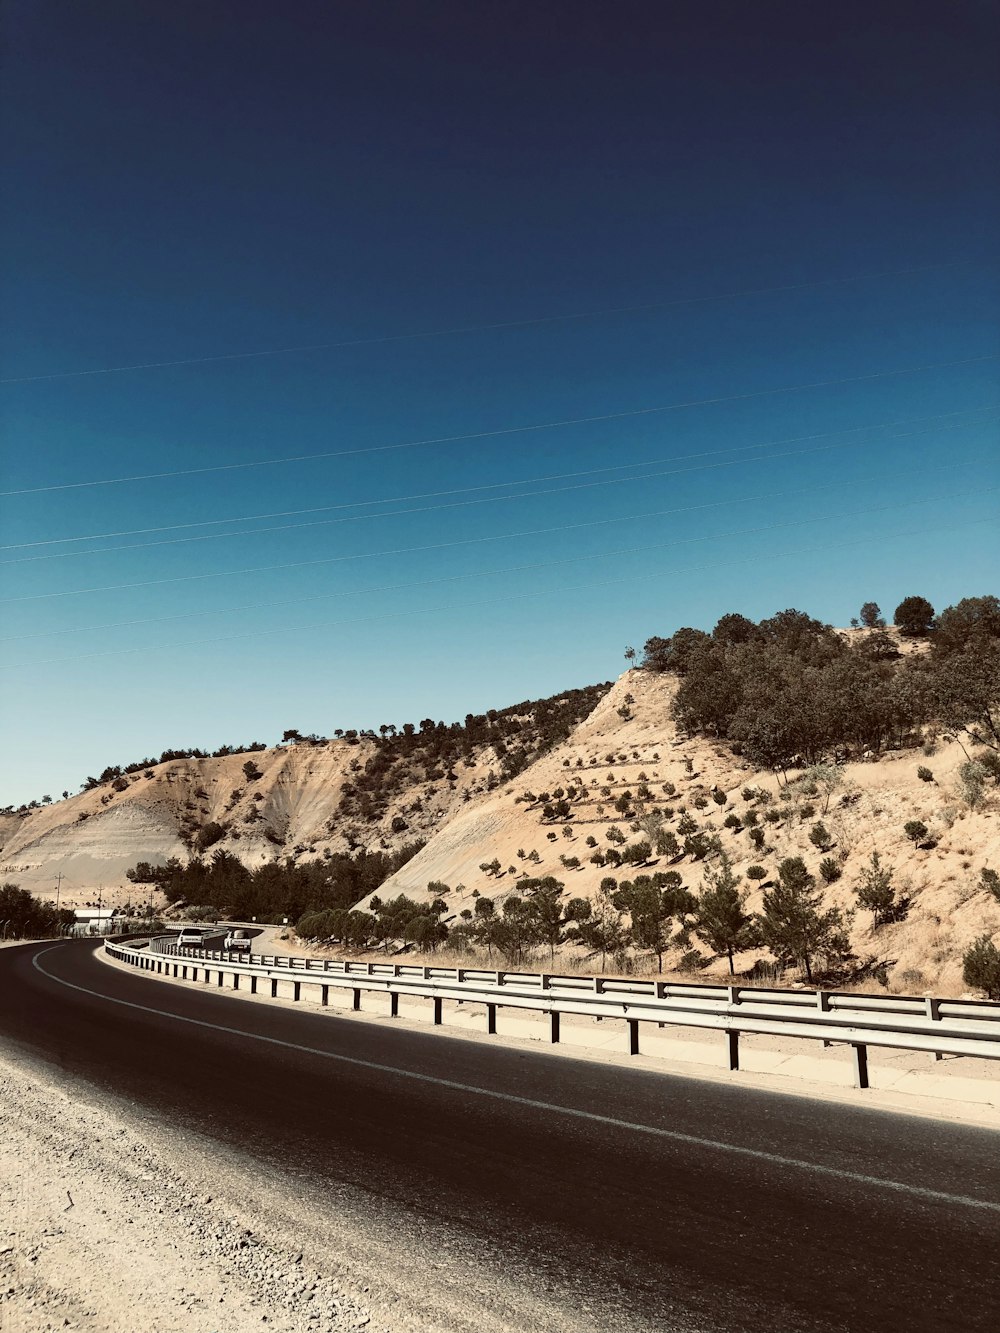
(614,753)
(290,810)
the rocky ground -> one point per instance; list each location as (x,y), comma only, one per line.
(101,1234)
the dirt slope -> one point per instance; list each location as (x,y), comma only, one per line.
(867,813)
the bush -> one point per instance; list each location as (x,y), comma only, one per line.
(972,783)
(925,774)
(981,967)
(209,835)
(756,872)
(733,822)
(877,894)
(398,825)
(990,881)
(819,836)
(719,796)
(829,870)
(916,830)
(757,838)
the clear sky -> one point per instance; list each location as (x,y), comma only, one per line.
(773,224)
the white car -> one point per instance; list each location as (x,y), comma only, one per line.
(237,941)
(189,938)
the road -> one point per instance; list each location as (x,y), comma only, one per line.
(635,1199)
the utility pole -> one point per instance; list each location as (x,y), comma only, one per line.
(59,879)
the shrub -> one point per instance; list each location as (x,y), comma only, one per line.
(915,829)
(925,774)
(808,811)
(733,822)
(756,872)
(772,816)
(719,796)
(990,881)
(972,783)
(877,894)
(819,836)
(829,870)
(700,802)
(757,838)
(981,967)
(209,835)
(398,825)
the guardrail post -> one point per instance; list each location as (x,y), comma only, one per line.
(934,1012)
(357,998)
(633,1036)
(733,1047)
(274,988)
(860,1064)
(554,1027)
(823,1005)
(324,995)
(253,984)
(491,1019)
(733,994)
(296,989)
(220,976)
(184,973)
(437,1010)
(394,1004)
(236,981)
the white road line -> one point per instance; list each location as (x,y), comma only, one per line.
(676,1136)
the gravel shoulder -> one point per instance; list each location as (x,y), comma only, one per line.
(101,1234)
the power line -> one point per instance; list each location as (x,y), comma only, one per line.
(395,587)
(458,504)
(299,564)
(477,328)
(509,430)
(498,485)
(493,601)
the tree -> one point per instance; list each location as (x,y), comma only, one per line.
(792,924)
(630,656)
(251,771)
(871,616)
(27,916)
(651,907)
(734,628)
(721,918)
(972,621)
(966,690)
(877,894)
(981,967)
(914,617)
(601,930)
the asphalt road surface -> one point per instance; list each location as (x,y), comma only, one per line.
(648,1200)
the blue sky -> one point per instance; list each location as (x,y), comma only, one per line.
(774,222)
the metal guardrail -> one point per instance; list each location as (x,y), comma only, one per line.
(904,1022)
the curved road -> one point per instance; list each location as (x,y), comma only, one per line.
(638,1200)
